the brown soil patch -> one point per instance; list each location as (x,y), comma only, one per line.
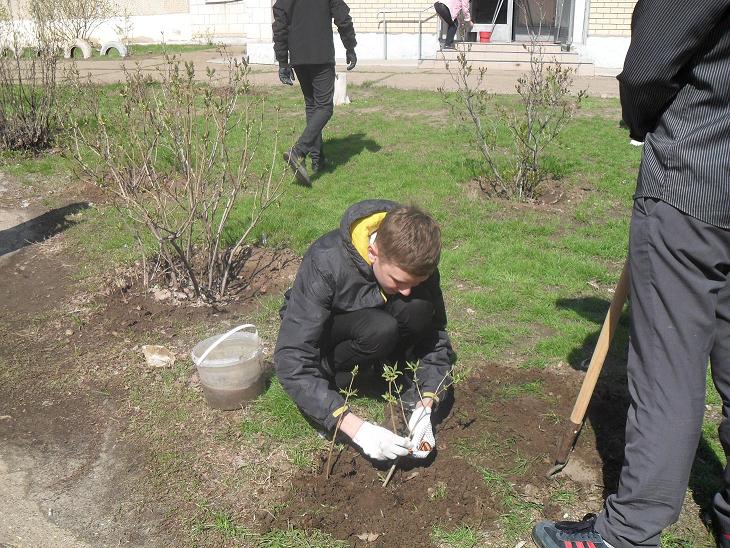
(492,450)
(128,306)
(552,196)
(68,367)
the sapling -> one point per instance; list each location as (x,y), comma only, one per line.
(413,368)
(441,388)
(347,393)
(390,375)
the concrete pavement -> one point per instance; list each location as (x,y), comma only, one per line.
(397,74)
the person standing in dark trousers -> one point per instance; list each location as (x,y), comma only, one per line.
(304,46)
(675,94)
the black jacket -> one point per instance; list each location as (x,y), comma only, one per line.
(332,279)
(303,30)
(675,94)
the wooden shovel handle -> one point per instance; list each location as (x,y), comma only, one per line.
(601,350)
(594,370)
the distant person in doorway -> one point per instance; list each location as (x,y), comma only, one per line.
(303,45)
(449,11)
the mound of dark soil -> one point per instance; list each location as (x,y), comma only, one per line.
(493,450)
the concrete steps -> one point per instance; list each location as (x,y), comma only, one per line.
(547,47)
(511,57)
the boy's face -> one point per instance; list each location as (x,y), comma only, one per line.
(391,278)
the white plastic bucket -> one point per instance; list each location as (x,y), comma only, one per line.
(230,367)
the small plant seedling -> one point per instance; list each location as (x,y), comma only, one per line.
(455,376)
(347,393)
(393,396)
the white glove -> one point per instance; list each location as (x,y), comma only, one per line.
(421,431)
(380,443)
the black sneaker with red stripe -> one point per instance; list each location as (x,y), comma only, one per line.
(721,537)
(568,534)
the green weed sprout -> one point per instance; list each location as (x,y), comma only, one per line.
(347,393)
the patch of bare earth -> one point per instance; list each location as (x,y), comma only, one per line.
(104,450)
(552,196)
(493,450)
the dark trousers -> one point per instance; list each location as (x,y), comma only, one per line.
(373,336)
(445,14)
(318,87)
(680,318)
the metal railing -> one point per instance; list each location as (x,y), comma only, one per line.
(403,18)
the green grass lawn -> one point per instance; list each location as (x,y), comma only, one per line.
(526,285)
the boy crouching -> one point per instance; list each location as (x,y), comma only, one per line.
(366,295)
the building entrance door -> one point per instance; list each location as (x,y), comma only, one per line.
(497,13)
(549,20)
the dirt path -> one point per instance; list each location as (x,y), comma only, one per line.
(22,521)
(395,74)
(66,476)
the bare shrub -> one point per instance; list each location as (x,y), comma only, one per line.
(546,104)
(79,18)
(547,107)
(28,90)
(178,156)
(125,27)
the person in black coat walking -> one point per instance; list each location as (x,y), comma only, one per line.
(675,95)
(304,46)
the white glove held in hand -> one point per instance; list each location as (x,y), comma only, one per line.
(380,443)
(421,431)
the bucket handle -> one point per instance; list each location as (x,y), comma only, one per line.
(223,338)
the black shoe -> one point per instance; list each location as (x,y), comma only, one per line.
(296,162)
(568,534)
(318,164)
(449,47)
(343,379)
(722,534)
(409,395)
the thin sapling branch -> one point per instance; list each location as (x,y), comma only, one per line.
(347,393)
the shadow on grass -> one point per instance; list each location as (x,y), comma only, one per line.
(339,150)
(610,402)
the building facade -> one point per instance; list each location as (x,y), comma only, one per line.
(599,30)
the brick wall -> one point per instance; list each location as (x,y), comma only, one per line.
(257,20)
(145,7)
(133,7)
(211,21)
(364,15)
(610,17)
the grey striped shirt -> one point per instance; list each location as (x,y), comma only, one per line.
(675,94)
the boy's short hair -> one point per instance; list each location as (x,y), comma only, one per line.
(411,240)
